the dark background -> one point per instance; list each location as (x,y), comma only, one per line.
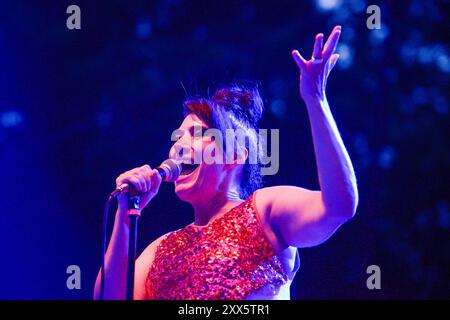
(78,107)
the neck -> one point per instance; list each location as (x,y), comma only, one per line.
(216,204)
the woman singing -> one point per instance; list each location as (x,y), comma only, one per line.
(244,238)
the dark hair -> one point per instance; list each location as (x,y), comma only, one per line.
(234,107)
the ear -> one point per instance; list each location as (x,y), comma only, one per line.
(241,155)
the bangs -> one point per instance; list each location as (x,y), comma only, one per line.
(201,108)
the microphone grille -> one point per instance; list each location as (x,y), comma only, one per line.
(174,169)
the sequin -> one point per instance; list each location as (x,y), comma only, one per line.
(226,260)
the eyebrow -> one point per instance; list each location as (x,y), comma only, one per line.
(203,126)
(198,125)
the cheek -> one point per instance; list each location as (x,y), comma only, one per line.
(198,153)
(214,150)
(211,173)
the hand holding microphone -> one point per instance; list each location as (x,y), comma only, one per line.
(134,190)
(145,181)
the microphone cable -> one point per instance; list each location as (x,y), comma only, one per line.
(169,171)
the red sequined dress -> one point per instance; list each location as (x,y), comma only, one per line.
(226,259)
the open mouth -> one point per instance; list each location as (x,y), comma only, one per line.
(188,168)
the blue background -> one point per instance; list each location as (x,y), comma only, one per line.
(78,107)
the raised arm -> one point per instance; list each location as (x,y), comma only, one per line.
(302,217)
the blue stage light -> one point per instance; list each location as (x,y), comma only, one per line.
(10,119)
(143,28)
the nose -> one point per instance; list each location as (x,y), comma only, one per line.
(176,151)
(181,149)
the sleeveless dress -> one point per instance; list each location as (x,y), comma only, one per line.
(225,260)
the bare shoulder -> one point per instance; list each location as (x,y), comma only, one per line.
(143,264)
(263,200)
(271,194)
(149,252)
(279,205)
(282,199)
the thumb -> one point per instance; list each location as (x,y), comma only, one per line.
(155,182)
(299,60)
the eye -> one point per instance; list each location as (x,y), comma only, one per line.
(196,132)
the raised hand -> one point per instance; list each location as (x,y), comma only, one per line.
(315,71)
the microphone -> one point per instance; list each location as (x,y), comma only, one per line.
(169,170)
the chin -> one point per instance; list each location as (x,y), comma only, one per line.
(184,192)
(186,186)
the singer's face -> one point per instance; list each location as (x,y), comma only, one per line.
(201,178)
